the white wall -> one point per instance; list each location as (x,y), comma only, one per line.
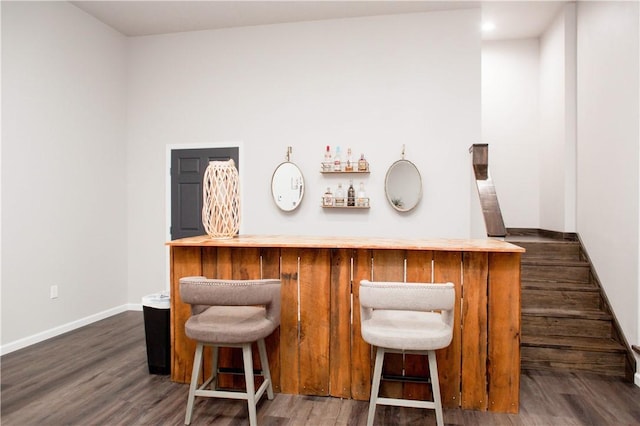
(510,125)
(608,150)
(63,167)
(372,84)
(557,124)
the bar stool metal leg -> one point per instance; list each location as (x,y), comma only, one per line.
(214,367)
(195,373)
(264,365)
(435,386)
(375,385)
(251,391)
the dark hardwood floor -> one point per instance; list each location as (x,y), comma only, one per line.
(97,375)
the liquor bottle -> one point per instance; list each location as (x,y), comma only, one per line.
(337,161)
(362,200)
(338,201)
(327,198)
(349,165)
(351,195)
(327,163)
(363,165)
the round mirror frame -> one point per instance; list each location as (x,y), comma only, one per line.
(396,202)
(286,199)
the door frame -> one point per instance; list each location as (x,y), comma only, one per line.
(206,145)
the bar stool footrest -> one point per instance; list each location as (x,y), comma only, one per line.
(231,394)
(409,379)
(405,403)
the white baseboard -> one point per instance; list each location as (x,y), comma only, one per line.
(56,331)
(636,379)
(134,307)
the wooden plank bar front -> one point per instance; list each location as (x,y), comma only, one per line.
(504,332)
(474,337)
(318,349)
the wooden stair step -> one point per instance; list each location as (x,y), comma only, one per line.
(558,286)
(600,356)
(535,234)
(556,271)
(573,343)
(555,249)
(555,262)
(561,298)
(553,359)
(565,322)
(566,313)
(566,326)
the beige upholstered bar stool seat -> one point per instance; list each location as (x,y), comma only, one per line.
(410,318)
(231,313)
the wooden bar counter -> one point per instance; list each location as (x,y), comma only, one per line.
(318,349)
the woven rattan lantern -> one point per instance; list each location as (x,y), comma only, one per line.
(221,199)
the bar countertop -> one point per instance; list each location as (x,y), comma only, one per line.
(289,241)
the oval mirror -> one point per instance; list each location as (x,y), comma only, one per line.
(287,186)
(403,185)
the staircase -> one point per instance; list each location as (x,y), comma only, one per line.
(566,324)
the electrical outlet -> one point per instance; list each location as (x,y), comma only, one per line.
(54,292)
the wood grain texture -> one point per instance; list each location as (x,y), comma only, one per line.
(504,329)
(321,352)
(563,303)
(270,268)
(289,351)
(474,337)
(331,242)
(185,262)
(360,350)
(101,378)
(546,322)
(447,267)
(315,286)
(209,261)
(224,264)
(340,331)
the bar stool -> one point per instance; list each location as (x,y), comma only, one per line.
(231,313)
(410,318)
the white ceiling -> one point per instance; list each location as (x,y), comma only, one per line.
(513,19)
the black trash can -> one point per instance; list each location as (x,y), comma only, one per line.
(156,309)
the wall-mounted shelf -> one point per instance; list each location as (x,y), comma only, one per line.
(355,172)
(345,207)
(325,170)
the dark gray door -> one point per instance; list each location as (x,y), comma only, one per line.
(187,171)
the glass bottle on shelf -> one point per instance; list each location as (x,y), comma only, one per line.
(327,198)
(339,198)
(327,163)
(349,164)
(363,165)
(362,200)
(351,195)
(337,161)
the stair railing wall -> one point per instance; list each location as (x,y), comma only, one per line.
(486,192)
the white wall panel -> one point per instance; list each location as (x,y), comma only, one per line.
(608,150)
(63,167)
(372,84)
(511,127)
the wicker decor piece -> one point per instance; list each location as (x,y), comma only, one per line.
(221,199)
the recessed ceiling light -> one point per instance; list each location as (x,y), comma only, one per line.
(488,26)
